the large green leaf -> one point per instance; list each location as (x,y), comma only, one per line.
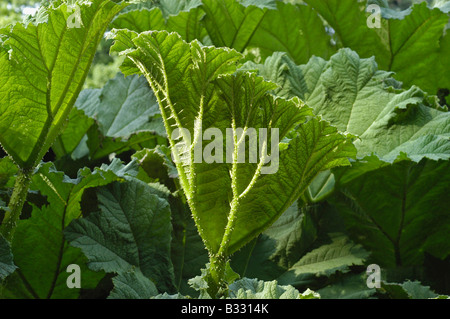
(231,202)
(42,74)
(408,43)
(394,209)
(231,23)
(357,98)
(131,228)
(379,199)
(40,250)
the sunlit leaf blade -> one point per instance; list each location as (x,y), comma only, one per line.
(357,98)
(42,75)
(74,132)
(131,229)
(267,26)
(196,90)
(186,23)
(140,20)
(354,96)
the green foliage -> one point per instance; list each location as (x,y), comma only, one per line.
(129,185)
(141,217)
(221,195)
(61,56)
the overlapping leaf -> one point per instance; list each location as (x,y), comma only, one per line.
(355,97)
(40,250)
(42,74)
(124,118)
(394,209)
(266,26)
(132,285)
(131,229)
(326,260)
(408,43)
(389,122)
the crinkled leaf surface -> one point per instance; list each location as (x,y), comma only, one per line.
(42,75)
(357,98)
(131,228)
(132,285)
(326,260)
(354,96)
(196,91)
(40,250)
(188,252)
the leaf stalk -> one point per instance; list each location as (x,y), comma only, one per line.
(16,203)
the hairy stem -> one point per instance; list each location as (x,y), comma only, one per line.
(217,284)
(16,202)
